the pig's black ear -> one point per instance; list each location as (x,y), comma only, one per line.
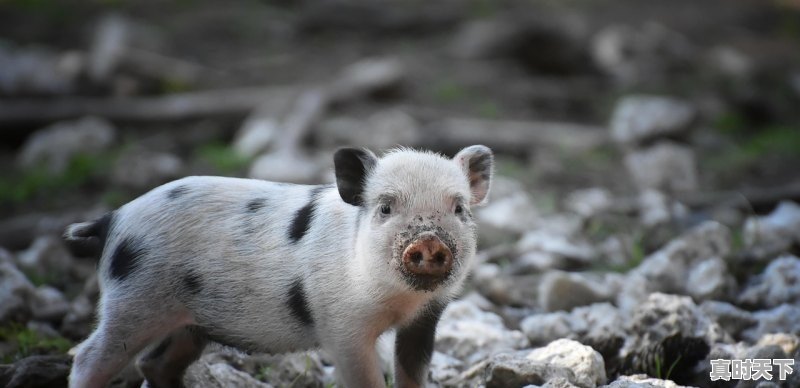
(352,166)
(478,163)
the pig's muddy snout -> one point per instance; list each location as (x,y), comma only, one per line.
(428,257)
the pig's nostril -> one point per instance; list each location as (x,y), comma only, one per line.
(416,257)
(439,258)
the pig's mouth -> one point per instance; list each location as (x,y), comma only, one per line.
(426,257)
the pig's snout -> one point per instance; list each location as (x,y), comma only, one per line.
(428,256)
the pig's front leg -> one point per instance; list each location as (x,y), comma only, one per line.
(414,347)
(357,363)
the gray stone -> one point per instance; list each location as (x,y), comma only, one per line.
(550,241)
(56,145)
(506,370)
(644,54)
(47,258)
(586,363)
(560,290)
(774,233)
(663,315)
(782,319)
(664,166)
(599,324)
(48,304)
(382,130)
(780,283)
(732,319)
(142,169)
(15,292)
(589,202)
(789,343)
(642,381)
(470,334)
(710,279)
(667,270)
(255,136)
(26,71)
(36,371)
(641,117)
(655,208)
(444,367)
(514,213)
(283,166)
(544,328)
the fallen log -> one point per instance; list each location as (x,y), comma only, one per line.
(172,107)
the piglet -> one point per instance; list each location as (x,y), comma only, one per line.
(275,267)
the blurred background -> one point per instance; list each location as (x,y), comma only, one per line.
(642,147)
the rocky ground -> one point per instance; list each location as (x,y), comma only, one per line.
(644,219)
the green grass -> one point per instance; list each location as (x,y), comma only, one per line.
(449,91)
(223,158)
(29,183)
(659,366)
(26,342)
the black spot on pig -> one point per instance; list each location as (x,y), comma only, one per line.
(126,258)
(256,204)
(298,304)
(302,218)
(177,192)
(193,282)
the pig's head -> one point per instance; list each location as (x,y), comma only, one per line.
(416,229)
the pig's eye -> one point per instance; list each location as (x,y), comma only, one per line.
(386,209)
(459,209)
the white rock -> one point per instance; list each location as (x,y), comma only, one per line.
(642,381)
(589,202)
(141,168)
(15,292)
(780,283)
(663,315)
(26,71)
(656,208)
(639,54)
(664,166)
(733,319)
(514,370)
(709,279)
(597,322)
(49,304)
(641,117)
(667,269)
(775,232)
(284,167)
(467,333)
(515,213)
(560,290)
(444,367)
(382,130)
(782,319)
(547,241)
(56,145)
(47,257)
(585,362)
(545,328)
(255,136)
(789,343)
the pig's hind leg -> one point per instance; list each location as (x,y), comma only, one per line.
(127,325)
(165,364)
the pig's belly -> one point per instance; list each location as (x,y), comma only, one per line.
(260,324)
